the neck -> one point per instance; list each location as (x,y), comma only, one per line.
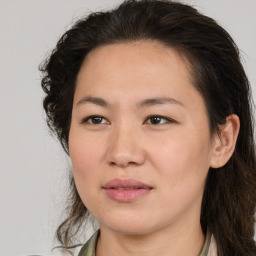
(186,241)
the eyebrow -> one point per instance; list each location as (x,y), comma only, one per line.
(145,103)
(94,100)
(159,101)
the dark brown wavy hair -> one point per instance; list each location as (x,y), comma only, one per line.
(228,206)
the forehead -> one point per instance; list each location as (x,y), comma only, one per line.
(124,75)
(141,50)
(135,68)
(143,62)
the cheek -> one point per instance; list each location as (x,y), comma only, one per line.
(183,167)
(86,156)
(183,158)
(85,151)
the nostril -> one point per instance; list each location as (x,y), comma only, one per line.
(112,163)
(124,164)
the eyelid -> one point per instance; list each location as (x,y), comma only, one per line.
(167,119)
(85,120)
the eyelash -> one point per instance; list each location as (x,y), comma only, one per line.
(167,120)
(86,120)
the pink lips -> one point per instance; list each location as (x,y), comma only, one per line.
(125,190)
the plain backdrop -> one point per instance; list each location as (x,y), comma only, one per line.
(33,167)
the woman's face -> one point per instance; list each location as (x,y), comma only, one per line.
(139,141)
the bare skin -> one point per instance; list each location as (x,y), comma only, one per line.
(137,115)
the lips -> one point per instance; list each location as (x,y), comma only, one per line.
(126,190)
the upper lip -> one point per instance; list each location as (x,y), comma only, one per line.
(126,183)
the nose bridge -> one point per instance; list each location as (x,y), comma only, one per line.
(124,146)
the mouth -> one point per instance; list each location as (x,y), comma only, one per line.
(129,188)
(126,190)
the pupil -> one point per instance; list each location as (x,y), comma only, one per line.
(96,120)
(155,120)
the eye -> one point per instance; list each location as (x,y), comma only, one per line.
(95,120)
(155,120)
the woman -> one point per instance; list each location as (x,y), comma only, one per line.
(152,105)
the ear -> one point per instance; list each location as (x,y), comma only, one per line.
(224,143)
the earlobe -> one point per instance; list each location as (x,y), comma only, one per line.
(224,143)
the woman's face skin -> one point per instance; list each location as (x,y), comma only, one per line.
(149,124)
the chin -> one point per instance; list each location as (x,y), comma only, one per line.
(130,230)
(130,225)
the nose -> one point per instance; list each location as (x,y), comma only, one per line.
(125,148)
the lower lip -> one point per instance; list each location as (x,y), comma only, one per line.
(128,195)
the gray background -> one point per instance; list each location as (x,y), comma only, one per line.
(33,168)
